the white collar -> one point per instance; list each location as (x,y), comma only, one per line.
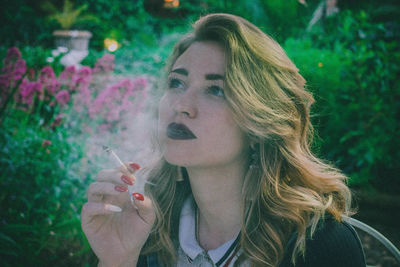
(187,235)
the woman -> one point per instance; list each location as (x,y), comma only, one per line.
(236,183)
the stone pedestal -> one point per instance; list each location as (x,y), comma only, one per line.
(73,40)
(77,43)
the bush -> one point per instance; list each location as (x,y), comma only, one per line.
(353,73)
(45,168)
(26,22)
(42,192)
(284,19)
(23,23)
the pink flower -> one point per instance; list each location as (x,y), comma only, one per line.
(49,80)
(105,64)
(102,100)
(31,74)
(13,55)
(82,81)
(13,63)
(4,82)
(19,69)
(63,97)
(85,71)
(28,90)
(67,78)
(68,71)
(82,78)
(82,99)
(116,99)
(46,143)
(14,67)
(140,82)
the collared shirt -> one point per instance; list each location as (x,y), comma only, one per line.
(190,253)
(333,244)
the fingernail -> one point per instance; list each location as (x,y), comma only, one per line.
(138,196)
(127,179)
(134,166)
(121,188)
(112,208)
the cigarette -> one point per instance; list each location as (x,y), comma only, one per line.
(110,151)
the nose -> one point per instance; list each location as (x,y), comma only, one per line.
(186,104)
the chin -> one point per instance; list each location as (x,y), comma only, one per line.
(176,159)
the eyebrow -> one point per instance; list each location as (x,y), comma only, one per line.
(210,76)
(214,77)
(181,71)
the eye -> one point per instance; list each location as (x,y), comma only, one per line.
(216,90)
(175,84)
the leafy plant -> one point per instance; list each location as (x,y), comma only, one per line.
(42,191)
(68,16)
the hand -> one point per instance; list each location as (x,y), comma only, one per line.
(116,237)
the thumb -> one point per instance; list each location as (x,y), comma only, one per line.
(144,207)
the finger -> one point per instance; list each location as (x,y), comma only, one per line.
(129,167)
(144,207)
(133,167)
(97,190)
(95,198)
(115,176)
(90,209)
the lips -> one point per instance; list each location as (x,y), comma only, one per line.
(179,131)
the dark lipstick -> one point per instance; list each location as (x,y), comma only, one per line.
(179,131)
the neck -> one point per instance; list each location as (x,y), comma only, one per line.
(218,195)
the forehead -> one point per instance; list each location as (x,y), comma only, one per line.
(207,56)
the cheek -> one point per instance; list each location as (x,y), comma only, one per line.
(237,136)
(234,140)
(227,135)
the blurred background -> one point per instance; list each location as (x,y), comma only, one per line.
(79,74)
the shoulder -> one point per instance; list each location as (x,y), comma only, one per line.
(332,244)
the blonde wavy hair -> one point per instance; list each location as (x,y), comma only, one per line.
(291,189)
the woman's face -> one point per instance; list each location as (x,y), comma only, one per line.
(196,127)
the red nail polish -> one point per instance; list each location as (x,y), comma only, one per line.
(134,166)
(138,196)
(121,188)
(127,179)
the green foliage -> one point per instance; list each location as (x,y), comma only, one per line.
(41,195)
(23,22)
(284,18)
(353,73)
(128,22)
(280,19)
